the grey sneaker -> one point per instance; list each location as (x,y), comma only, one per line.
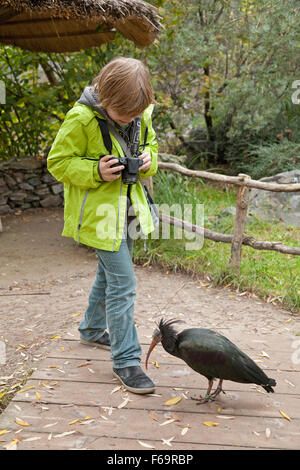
(134,379)
(103,342)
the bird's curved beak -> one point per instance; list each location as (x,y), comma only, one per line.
(151,347)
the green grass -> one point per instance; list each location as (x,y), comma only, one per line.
(268,274)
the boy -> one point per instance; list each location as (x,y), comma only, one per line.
(97,202)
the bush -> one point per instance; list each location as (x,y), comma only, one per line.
(268,160)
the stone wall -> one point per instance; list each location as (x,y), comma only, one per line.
(26,183)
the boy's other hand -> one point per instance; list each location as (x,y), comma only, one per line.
(147,161)
(108,173)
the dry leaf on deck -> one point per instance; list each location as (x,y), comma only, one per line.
(184,431)
(144,444)
(36,438)
(210,423)
(285,415)
(21,422)
(224,417)
(268,433)
(264,354)
(124,403)
(64,434)
(153,416)
(169,421)
(38,395)
(74,421)
(4,431)
(155,363)
(116,389)
(168,441)
(173,401)
(28,387)
(11,445)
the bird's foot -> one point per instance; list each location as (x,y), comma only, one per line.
(206,399)
(217,392)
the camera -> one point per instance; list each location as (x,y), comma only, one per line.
(130,174)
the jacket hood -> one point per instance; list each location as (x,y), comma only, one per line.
(90,98)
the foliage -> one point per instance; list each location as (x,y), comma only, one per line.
(270,159)
(225,67)
(40,89)
(228,67)
(268,274)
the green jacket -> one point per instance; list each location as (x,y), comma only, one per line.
(95,210)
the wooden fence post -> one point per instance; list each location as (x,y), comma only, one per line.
(242,202)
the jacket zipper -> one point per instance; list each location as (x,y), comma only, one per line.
(81,214)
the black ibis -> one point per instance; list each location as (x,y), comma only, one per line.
(210,354)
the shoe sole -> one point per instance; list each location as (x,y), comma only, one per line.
(140,391)
(91,343)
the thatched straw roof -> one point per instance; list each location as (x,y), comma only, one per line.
(71,25)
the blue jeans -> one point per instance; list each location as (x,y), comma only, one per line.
(111,305)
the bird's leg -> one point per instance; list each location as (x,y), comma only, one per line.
(207,396)
(218,389)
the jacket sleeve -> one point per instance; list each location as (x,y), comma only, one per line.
(66,160)
(152,148)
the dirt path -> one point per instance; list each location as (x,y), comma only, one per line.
(45,280)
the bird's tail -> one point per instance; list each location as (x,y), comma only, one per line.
(269,385)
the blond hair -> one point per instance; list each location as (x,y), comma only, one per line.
(124,85)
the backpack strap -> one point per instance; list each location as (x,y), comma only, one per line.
(106,127)
(105,134)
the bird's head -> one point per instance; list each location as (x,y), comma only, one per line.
(163,330)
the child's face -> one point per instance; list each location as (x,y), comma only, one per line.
(120,119)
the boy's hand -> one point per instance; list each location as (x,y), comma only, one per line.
(108,173)
(147,161)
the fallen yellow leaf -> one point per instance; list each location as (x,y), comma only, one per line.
(173,401)
(75,314)
(74,421)
(38,395)
(285,415)
(2,394)
(153,416)
(11,445)
(21,422)
(155,363)
(4,431)
(210,423)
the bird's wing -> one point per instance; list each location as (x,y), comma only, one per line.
(214,355)
(203,351)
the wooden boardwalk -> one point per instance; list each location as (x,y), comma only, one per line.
(72,401)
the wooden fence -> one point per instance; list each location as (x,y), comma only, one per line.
(237,239)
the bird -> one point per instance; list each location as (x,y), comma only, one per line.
(210,354)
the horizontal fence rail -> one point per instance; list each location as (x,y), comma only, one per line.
(237,239)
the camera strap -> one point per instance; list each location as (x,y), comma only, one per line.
(106,128)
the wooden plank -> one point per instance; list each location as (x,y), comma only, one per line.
(137,424)
(237,402)
(74,349)
(167,375)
